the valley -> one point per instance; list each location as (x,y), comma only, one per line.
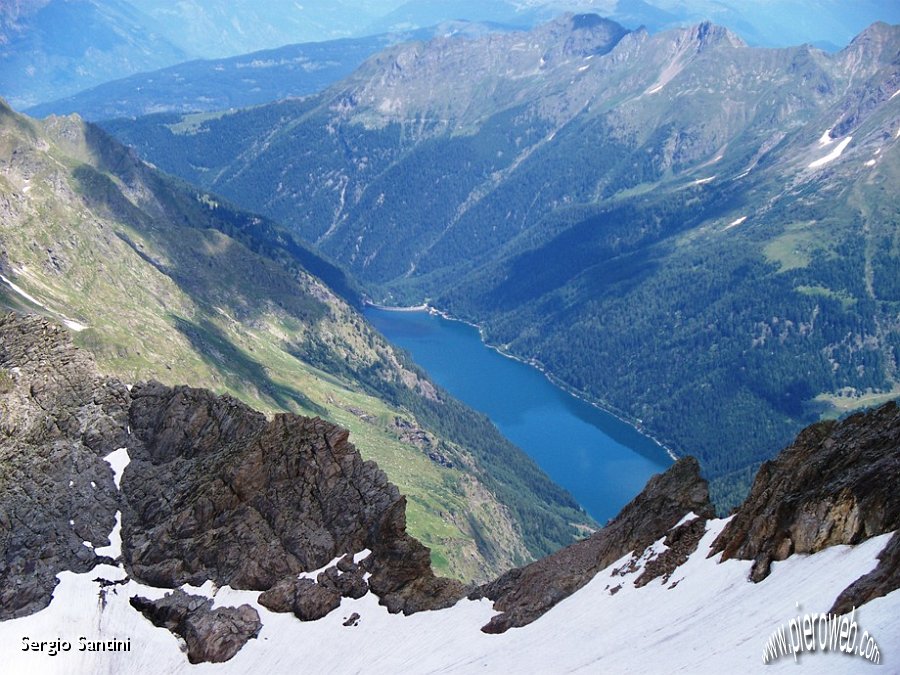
(707,254)
(602,461)
(162,282)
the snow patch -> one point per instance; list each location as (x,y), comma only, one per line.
(736,222)
(23,293)
(583,68)
(871,162)
(117,461)
(74,325)
(833,155)
(894,95)
(688,518)
(707,618)
(704,181)
(655,90)
(114,550)
(826,139)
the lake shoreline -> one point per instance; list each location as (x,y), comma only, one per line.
(534,363)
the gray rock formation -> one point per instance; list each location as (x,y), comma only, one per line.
(214,491)
(58,419)
(211,635)
(526,593)
(836,484)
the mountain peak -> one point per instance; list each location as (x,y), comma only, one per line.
(708,34)
(580,35)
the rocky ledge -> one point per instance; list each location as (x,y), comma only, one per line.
(58,419)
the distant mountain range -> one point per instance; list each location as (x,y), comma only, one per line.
(51,49)
(690,230)
(241,81)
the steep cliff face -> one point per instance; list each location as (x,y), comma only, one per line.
(836,484)
(213,491)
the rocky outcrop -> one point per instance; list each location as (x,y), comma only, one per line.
(680,543)
(308,600)
(214,490)
(524,594)
(58,419)
(211,635)
(836,484)
(401,569)
(876,584)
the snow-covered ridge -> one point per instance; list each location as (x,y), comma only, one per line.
(706,618)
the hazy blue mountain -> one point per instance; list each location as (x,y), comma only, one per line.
(219,28)
(49,49)
(53,48)
(240,81)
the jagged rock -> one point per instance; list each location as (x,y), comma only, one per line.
(58,419)
(308,600)
(681,541)
(218,492)
(526,593)
(352,620)
(836,484)
(214,490)
(401,569)
(212,636)
(312,601)
(350,584)
(346,564)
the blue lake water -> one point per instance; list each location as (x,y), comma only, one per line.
(601,460)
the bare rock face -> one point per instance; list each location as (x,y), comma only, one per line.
(526,593)
(680,543)
(836,484)
(211,635)
(218,492)
(401,569)
(58,419)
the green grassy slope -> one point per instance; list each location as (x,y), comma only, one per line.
(167,282)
